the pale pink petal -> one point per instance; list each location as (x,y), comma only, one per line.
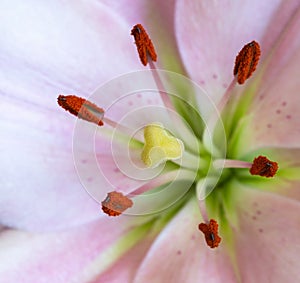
(180,254)
(285,46)
(125,268)
(39,183)
(275,119)
(210,34)
(48,48)
(142,10)
(71,45)
(267,240)
(58,257)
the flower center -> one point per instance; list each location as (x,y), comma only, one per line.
(160,145)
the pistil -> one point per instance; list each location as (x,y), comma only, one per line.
(160,146)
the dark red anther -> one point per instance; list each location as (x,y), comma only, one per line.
(81,108)
(246,61)
(116,203)
(262,166)
(210,232)
(144,44)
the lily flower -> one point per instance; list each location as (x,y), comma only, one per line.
(182,156)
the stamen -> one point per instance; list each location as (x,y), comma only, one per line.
(245,64)
(116,203)
(246,61)
(262,166)
(210,232)
(81,108)
(144,44)
(146,50)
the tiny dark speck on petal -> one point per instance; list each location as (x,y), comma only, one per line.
(179,252)
(288,117)
(258,212)
(278,111)
(225,85)
(215,76)
(260,230)
(269,126)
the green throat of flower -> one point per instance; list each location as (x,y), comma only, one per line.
(194,155)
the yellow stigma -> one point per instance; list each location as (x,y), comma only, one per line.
(160,146)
